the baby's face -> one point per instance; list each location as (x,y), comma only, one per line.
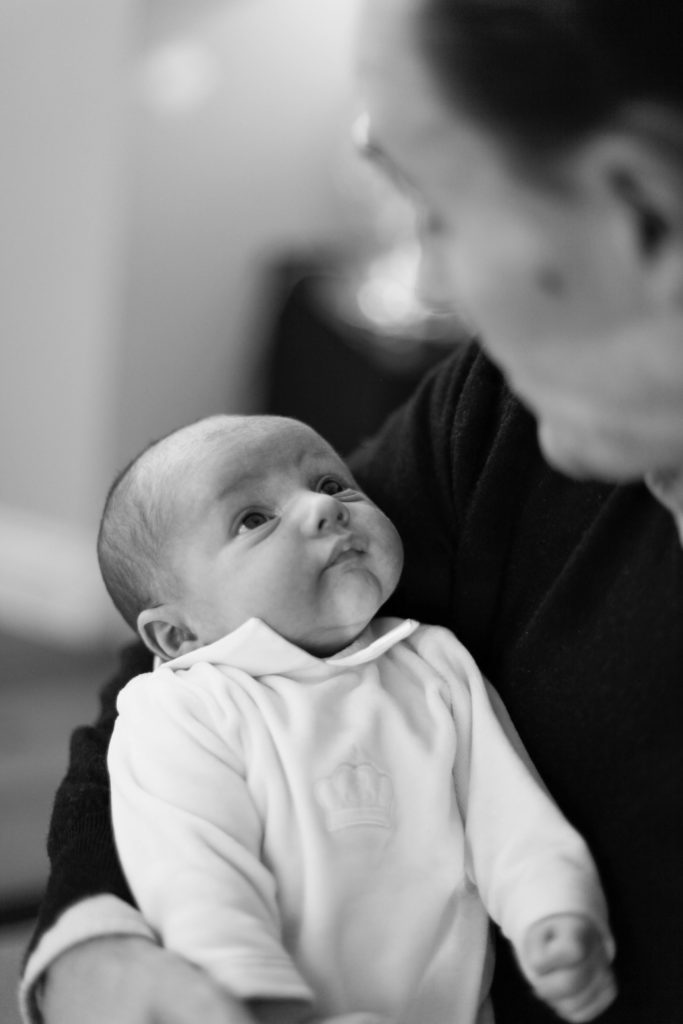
(272,525)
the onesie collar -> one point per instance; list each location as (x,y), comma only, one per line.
(257,649)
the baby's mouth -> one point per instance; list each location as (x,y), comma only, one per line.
(347,549)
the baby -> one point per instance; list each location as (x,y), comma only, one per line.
(319,807)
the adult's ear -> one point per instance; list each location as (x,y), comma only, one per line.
(638,162)
(164,634)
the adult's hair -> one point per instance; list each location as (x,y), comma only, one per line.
(545,73)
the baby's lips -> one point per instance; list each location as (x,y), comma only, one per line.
(346,547)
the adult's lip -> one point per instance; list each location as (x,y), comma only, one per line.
(344,550)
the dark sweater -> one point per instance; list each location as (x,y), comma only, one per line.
(570,597)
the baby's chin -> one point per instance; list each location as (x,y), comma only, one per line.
(325,643)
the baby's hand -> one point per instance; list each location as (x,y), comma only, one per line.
(565,959)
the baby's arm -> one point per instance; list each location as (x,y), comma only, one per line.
(189,835)
(565,947)
(533,870)
(565,959)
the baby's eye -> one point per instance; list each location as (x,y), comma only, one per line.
(251,521)
(332,485)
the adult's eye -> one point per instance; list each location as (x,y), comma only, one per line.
(252,521)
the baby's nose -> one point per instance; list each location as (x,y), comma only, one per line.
(323,512)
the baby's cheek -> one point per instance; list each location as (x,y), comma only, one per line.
(393,558)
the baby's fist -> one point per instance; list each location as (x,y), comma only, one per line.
(565,959)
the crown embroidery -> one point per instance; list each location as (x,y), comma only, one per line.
(355,794)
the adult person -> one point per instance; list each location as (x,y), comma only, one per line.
(542,141)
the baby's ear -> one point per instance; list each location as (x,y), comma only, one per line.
(163,633)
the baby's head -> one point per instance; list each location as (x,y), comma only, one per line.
(235,517)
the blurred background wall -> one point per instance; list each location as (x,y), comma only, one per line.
(155,155)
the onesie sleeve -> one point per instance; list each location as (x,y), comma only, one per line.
(525,858)
(189,836)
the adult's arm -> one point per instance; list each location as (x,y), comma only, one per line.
(86,895)
(80,845)
(92,958)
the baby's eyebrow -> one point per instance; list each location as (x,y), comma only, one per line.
(314,459)
(239,482)
(325,459)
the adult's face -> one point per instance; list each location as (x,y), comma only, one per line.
(547,267)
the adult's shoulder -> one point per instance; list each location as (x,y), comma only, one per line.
(477,418)
(461,422)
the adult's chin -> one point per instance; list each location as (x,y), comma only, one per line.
(584,455)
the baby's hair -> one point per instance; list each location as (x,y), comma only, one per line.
(136,519)
(545,73)
(130,538)
(138,514)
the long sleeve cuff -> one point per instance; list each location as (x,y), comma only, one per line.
(89,919)
(558,886)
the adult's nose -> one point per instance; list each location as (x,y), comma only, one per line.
(323,513)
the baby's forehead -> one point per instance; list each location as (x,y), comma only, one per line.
(280,440)
(253,449)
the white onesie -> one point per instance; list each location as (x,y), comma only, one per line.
(339,829)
